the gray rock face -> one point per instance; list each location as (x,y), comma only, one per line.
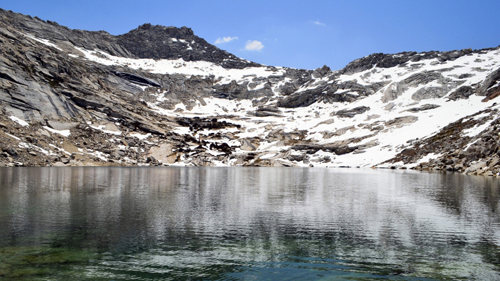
(422,78)
(429,93)
(147,41)
(395,90)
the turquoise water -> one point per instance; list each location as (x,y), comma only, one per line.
(246,224)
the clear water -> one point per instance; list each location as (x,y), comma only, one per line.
(246,224)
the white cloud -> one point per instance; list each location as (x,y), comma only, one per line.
(319,23)
(254,45)
(225,39)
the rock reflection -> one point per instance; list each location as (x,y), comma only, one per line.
(246,215)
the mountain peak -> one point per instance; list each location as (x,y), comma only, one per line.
(162,42)
(170,31)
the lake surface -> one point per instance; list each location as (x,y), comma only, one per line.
(193,223)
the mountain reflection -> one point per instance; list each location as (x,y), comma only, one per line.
(254,214)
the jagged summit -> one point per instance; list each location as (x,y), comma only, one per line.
(161,42)
(168,31)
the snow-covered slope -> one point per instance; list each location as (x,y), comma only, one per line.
(416,102)
(374,112)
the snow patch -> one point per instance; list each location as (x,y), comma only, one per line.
(43,41)
(140,136)
(101,128)
(65,133)
(19,121)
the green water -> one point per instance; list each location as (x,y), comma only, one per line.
(246,224)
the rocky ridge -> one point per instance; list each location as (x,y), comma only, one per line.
(71,97)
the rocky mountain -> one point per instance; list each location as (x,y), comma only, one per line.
(163,96)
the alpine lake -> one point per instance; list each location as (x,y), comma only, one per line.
(243,223)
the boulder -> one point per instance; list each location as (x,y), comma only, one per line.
(475,167)
(60,125)
(350,113)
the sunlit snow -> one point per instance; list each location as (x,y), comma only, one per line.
(317,122)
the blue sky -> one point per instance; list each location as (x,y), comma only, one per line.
(301,34)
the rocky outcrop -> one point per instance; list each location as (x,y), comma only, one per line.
(464,92)
(337,149)
(161,42)
(392,60)
(423,108)
(491,86)
(350,113)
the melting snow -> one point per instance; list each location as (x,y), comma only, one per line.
(19,121)
(319,121)
(65,133)
(43,41)
(180,66)
(101,128)
(140,136)
(476,130)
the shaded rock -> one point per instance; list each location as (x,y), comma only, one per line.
(429,93)
(223,147)
(312,149)
(393,91)
(264,111)
(464,92)
(423,108)
(12,152)
(321,72)
(301,99)
(349,113)
(137,79)
(197,123)
(400,121)
(151,160)
(487,86)
(422,78)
